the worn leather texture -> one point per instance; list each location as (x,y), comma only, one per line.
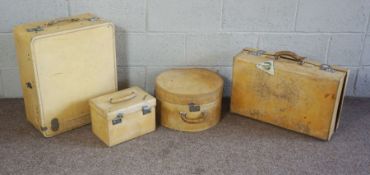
(297,95)
(62,64)
(189,99)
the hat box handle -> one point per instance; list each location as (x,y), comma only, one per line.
(201,118)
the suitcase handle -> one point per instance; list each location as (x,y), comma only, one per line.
(201,118)
(60,20)
(290,56)
(122,99)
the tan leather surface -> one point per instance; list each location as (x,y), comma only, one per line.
(62,67)
(298,97)
(132,122)
(176,89)
(180,86)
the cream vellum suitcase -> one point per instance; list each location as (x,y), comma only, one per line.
(287,90)
(63,63)
(122,115)
(189,99)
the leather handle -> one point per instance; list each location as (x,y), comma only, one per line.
(60,20)
(201,118)
(289,55)
(124,98)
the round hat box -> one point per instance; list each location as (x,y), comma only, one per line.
(189,99)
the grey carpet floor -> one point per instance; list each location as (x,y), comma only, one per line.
(237,145)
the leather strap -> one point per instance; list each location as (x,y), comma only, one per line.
(289,55)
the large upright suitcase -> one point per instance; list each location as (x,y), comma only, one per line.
(62,64)
(284,89)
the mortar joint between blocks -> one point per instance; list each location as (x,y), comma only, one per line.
(328,49)
(296,15)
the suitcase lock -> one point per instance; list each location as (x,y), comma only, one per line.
(35,29)
(193,107)
(93,19)
(257,52)
(146,109)
(29,85)
(327,68)
(118,119)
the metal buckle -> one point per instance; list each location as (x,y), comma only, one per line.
(93,19)
(327,68)
(118,119)
(35,29)
(193,107)
(257,53)
(146,109)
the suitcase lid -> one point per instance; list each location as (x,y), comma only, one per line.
(185,85)
(125,101)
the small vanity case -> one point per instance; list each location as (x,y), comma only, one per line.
(122,115)
(189,99)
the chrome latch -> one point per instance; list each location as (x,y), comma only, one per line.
(93,19)
(29,85)
(183,114)
(327,68)
(257,52)
(35,29)
(146,109)
(118,119)
(193,107)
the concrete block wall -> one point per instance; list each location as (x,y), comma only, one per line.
(155,35)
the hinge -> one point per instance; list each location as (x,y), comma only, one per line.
(93,19)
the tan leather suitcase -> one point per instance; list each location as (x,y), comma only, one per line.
(189,99)
(62,64)
(287,90)
(122,115)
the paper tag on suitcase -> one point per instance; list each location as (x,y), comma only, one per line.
(267,66)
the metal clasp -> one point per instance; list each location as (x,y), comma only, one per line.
(35,29)
(118,119)
(327,68)
(93,19)
(257,52)
(193,107)
(146,109)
